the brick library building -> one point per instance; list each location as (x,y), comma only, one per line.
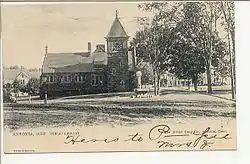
(109,68)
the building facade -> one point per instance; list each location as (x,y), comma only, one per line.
(106,69)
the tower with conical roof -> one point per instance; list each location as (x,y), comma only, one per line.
(117,49)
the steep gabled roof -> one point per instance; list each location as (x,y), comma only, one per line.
(73,62)
(116,29)
(9,75)
(12,74)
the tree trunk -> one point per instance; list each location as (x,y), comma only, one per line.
(232,77)
(155,83)
(233,65)
(208,70)
(158,83)
(209,81)
(195,81)
(231,32)
(195,86)
(232,73)
(188,85)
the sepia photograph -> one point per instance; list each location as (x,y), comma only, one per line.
(117,77)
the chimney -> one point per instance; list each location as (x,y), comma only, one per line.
(89,47)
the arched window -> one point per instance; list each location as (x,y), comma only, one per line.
(122,83)
(76,78)
(97,80)
(65,78)
(120,63)
(61,79)
(70,78)
(50,78)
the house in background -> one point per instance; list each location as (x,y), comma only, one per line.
(216,78)
(20,74)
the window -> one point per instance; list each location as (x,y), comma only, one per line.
(22,81)
(76,78)
(97,80)
(122,83)
(55,78)
(51,79)
(80,78)
(93,80)
(61,78)
(117,46)
(65,78)
(70,78)
(101,79)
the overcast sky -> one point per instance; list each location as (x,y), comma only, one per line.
(27,28)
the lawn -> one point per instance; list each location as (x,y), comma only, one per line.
(116,110)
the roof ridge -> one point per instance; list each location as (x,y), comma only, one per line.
(65,53)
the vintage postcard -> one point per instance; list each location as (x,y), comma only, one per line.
(108,77)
